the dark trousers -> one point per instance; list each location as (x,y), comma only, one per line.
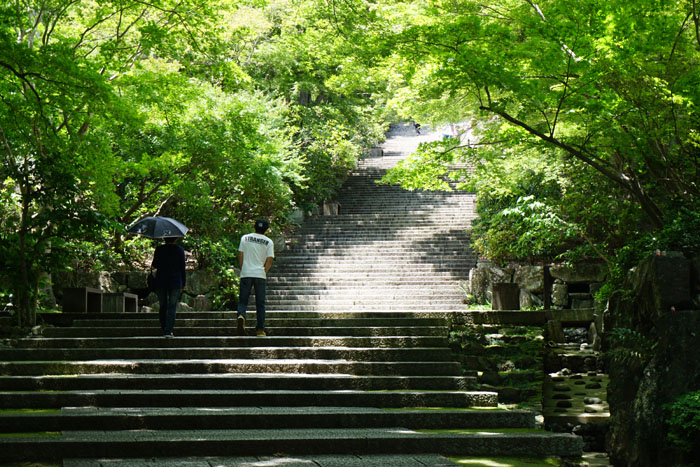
(168,299)
(247,284)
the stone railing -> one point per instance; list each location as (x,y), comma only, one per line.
(568,286)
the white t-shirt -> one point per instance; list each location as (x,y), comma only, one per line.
(256,248)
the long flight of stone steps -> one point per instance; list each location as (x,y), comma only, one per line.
(386,249)
(356,363)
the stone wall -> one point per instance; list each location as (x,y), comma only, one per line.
(659,304)
(573,286)
(201,284)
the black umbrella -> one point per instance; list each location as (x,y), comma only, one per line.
(158,227)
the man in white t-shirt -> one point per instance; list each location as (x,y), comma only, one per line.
(255,255)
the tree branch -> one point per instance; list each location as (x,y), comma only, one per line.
(537,9)
(627,182)
(696,20)
(23,78)
(678,36)
(143,197)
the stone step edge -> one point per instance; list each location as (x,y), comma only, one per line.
(306,381)
(352,342)
(125,418)
(230,331)
(231,314)
(357,368)
(255,442)
(232,397)
(397,354)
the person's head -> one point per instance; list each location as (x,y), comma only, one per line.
(170,239)
(261,226)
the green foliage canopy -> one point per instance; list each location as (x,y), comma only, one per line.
(607,91)
(112,111)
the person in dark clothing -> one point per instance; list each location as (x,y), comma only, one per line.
(169,263)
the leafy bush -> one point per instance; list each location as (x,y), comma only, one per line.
(684,422)
(527,229)
(226,297)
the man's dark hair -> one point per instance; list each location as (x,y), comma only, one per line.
(261,225)
(170,239)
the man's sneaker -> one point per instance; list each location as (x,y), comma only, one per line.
(241,325)
(168,335)
(260,333)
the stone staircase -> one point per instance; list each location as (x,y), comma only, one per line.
(357,361)
(388,249)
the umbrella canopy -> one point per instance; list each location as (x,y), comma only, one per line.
(158,227)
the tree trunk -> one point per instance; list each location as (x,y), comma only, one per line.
(25,291)
(25,287)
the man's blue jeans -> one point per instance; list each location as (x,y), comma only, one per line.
(168,299)
(248,283)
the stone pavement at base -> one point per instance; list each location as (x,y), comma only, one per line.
(418,460)
(591,459)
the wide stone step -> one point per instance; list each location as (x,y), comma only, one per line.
(181,352)
(447,239)
(66,319)
(357,271)
(454,205)
(316,255)
(347,277)
(422,291)
(320,281)
(392,257)
(311,293)
(329,251)
(242,381)
(416,265)
(296,298)
(435,220)
(354,243)
(412,270)
(405,236)
(366,207)
(400,208)
(151,443)
(134,319)
(350,290)
(243,398)
(396,316)
(198,366)
(390,246)
(428,220)
(393,306)
(344,460)
(232,342)
(406,233)
(366,189)
(332,249)
(359,238)
(300,287)
(202,418)
(180,332)
(424,304)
